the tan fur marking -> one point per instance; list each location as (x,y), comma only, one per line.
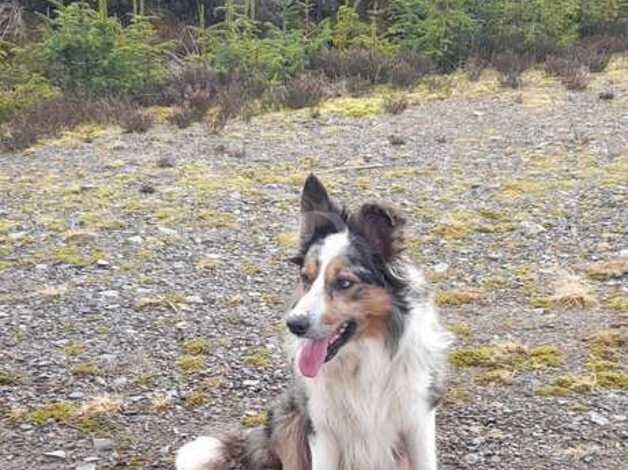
(376,306)
(290,443)
(310,269)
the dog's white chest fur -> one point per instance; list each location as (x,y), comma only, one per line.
(365,401)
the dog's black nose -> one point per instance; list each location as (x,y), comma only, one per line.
(298,325)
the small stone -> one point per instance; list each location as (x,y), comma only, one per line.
(194,299)
(441,267)
(103,444)
(111,294)
(395,139)
(597,418)
(57,454)
(86,466)
(146,188)
(606,95)
(441,139)
(623,253)
(17,235)
(76,395)
(472,459)
(166,162)
(136,239)
(101,263)
(530,228)
(168,231)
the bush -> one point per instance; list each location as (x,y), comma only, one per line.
(49,118)
(510,67)
(134,120)
(407,68)
(16,95)
(303,91)
(440,30)
(396,104)
(81,50)
(571,72)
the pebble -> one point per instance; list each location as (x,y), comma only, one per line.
(103,444)
(57,454)
(136,239)
(86,466)
(597,418)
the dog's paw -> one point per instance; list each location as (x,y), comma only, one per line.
(203,453)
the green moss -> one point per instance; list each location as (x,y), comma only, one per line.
(255,420)
(5,265)
(251,269)
(460,330)
(354,107)
(60,412)
(196,398)
(85,369)
(215,219)
(8,377)
(6,225)
(618,303)
(260,359)
(73,349)
(456,297)
(469,357)
(495,377)
(544,356)
(611,379)
(145,379)
(552,391)
(74,256)
(191,364)
(287,239)
(197,346)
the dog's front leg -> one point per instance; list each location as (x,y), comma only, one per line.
(420,440)
(325,452)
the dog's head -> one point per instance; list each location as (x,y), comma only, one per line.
(347,289)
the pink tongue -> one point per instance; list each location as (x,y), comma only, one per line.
(312,356)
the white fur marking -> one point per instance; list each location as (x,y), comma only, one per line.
(312,303)
(201,454)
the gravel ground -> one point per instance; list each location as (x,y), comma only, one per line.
(142,277)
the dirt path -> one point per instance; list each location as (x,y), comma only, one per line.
(142,278)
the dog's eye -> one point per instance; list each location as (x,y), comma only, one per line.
(343,284)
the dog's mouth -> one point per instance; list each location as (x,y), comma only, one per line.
(314,353)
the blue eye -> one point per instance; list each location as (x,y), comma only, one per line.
(343,284)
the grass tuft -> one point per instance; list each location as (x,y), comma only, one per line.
(85,369)
(260,358)
(190,364)
(256,420)
(197,346)
(457,297)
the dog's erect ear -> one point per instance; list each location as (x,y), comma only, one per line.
(320,216)
(382,226)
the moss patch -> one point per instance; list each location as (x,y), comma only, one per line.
(354,107)
(74,256)
(196,398)
(9,377)
(253,421)
(85,369)
(495,377)
(260,358)
(191,364)
(73,349)
(618,303)
(605,270)
(60,412)
(457,297)
(510,356)
(460,329)
(197,346)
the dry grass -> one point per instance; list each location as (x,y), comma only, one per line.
(191,364)
(197,346)
(255,420)
(605,270)
(457,297)
(160,404)
(571,291)
(103,405)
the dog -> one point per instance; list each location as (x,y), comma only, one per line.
(368,350)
